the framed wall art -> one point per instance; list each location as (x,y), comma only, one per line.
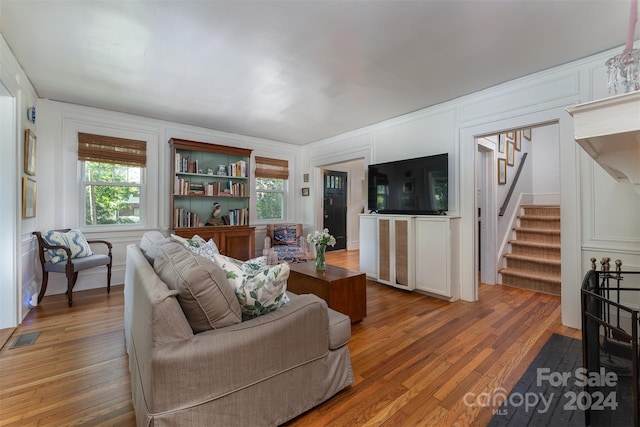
(501,141)
(30,152)
(518,141)
(29,186)
(305,191)
(527,133)
(510,153)
(502,171)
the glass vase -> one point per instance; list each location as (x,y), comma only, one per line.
(321,263)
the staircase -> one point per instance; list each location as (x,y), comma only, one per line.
(534,261)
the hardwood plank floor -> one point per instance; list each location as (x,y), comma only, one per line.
(414,358)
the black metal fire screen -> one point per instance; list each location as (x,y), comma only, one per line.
(610,315)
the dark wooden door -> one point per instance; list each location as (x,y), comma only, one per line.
(335,207)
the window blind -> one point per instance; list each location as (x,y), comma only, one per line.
(271,168)
(107,149)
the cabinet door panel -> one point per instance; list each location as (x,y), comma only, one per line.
(432,256)
(369,245)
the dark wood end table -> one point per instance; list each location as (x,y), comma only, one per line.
(344,290)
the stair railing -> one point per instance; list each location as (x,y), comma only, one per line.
(503,208)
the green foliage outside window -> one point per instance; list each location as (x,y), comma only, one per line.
(270,198)
(112,193)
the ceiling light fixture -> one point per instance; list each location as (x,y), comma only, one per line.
(624,69)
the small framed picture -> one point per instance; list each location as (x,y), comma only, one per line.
(29,186)
(510,153)
(305,191)
(30,152)
(527,133)
(502,171)
(305,177)
(501,142)
(518,141)
(511,135)
(407,186)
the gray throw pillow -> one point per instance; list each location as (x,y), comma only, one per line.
(204,293)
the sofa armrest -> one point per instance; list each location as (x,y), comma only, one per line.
(220,361)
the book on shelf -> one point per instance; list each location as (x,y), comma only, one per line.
(184,164)
(238,169)
(184,218)
(239,216)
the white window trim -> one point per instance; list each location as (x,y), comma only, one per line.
(70,185)
(104,227)
(285,203)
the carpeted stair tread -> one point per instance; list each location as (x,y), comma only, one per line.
(534,244)
(514,272)
(547,261)
(537,230)
(540,217)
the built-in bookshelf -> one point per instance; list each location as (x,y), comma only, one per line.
(207,178)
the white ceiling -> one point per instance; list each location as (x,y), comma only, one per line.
(294,71)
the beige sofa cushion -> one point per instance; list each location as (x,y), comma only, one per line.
(204,293)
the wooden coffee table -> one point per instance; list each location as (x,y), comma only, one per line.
(343,290)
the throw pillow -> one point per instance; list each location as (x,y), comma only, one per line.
(204,293)
(73,239)
(260,289)
(194,242)
(207,249)
(285,234)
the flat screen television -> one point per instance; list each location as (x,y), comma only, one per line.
(413,186)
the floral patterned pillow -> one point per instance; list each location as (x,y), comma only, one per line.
(194,242)
(73,239)
(207,249)
(285,234)
(260,288)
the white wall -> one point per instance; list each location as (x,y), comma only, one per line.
(16,280)
(58,125)
(545,159)
(588,227)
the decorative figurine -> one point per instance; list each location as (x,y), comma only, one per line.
(215,215)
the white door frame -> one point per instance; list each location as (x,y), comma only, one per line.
(486,182)
(9,212)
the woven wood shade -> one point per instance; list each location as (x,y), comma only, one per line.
(271,168)
(107,149)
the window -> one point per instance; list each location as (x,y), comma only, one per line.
(271,186)
(112,179)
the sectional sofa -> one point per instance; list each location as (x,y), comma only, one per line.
(262,371)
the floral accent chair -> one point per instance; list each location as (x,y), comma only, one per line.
(288,242)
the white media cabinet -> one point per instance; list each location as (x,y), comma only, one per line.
(412,252)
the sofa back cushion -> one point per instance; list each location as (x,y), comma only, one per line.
(204,293)
(150,242)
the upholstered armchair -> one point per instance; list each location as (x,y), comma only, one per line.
(288,242)
(68,251)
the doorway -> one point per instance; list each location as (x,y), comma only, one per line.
(335,207)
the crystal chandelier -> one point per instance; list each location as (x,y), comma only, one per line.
(623,70)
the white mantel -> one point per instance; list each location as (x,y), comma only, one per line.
(609,131)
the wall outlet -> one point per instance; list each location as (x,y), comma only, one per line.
(34,300)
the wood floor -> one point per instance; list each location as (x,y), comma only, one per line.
(414,358)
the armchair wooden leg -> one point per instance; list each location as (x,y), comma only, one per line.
(43,288)
(109,278)
(69,288)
